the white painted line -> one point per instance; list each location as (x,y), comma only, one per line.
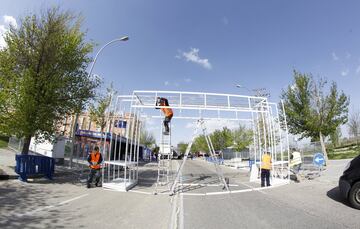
(193,194)
(75,198)
(141,192)
(217,193)
(243,190)
(49,206)
(207,185)
(173,213)
(181,214)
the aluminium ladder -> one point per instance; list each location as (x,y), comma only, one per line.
(200,125)
(164,161)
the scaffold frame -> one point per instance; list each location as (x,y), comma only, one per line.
(269,132)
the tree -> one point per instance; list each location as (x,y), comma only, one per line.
(98,113)
(182,147)
(354,124)
(147,138)
(242,137)
(221,139)
(310,111)
(43,74)
(199,144)
(335,137)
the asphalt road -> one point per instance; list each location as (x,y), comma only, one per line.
(66,203)
(309,204)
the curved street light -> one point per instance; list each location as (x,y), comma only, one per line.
(241,86)
(125,38)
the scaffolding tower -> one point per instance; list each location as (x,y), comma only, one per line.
(269,132)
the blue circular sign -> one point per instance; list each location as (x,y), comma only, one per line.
(319,159)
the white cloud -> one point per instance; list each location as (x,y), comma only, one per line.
(193,56)
(10,20)
(348,55)
(334,56)
(187,80)
(345,72)
(358,70)
(166,83)
(2,32)
(225,20)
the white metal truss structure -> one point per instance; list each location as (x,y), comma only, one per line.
(122,155)
(270,133)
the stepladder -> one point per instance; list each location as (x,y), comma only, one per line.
(199,127)
(164,157)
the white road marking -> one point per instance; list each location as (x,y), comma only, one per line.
(181,216)
(249,186)
(49,206)
(141,192)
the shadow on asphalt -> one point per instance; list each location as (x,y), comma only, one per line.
(20,205)
(335,195)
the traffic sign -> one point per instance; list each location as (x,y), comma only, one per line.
(319,159)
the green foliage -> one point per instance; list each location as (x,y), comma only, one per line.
(335,137)
(221,139)
(199,144)
(98,113)
(242,138)
(311,111)
(182,147)
(43,74)
(147,138)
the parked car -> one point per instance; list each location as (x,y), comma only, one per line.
(349,182)
(177,155)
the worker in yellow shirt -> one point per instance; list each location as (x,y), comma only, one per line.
(265,169)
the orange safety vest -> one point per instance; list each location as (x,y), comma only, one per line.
(266,162)
(95,157)
(167,111)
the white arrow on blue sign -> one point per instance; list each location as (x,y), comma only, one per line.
(319,159)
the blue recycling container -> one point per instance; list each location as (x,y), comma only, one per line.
(28,165)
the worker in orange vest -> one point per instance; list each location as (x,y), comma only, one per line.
(94,159)
(265,169)
(168,112)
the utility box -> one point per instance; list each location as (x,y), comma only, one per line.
(54,150)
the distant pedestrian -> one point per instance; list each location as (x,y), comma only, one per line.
(295,163)
(265,169)
(94,160)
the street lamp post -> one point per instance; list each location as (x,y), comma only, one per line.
(260,92)
(241,86)
(125,38)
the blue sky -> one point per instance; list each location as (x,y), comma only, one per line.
(211,46)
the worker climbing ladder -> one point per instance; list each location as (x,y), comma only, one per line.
(201,126)
(164,161)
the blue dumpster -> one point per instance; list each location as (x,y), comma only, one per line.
(28,165)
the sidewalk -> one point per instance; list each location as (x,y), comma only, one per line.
(7,164)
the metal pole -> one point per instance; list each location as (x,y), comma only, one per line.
(280,137)
(287,137)
(127,143)
(137,153)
